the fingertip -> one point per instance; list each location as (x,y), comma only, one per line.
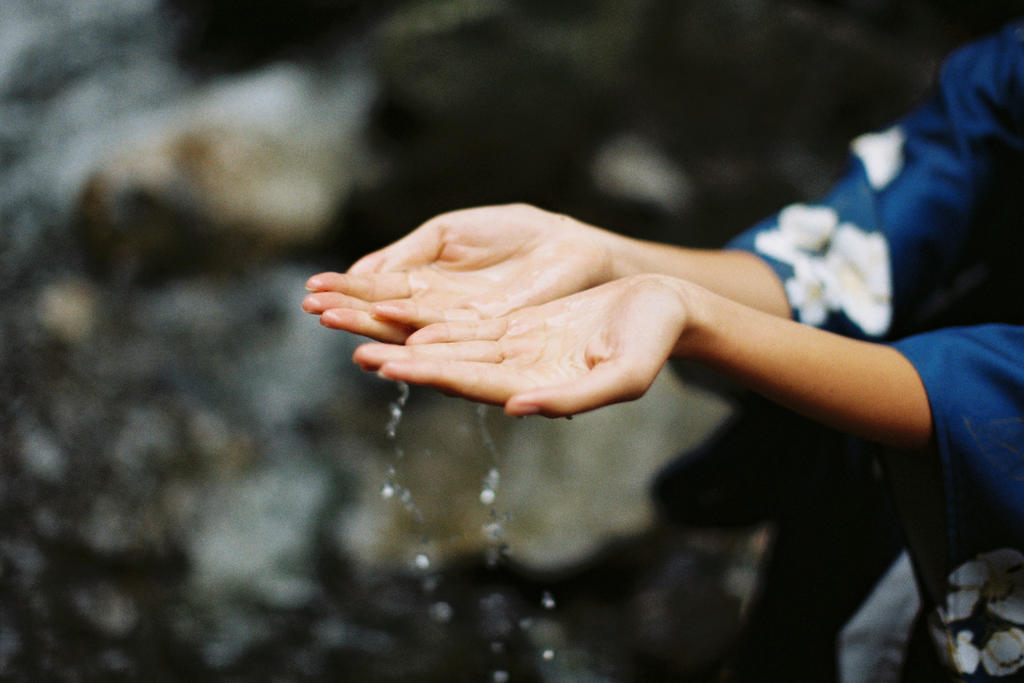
(387,310)
(365,367)
(329,318)
(390,370)
(424,335)
(319,282)
(311,304)
(335,319)
(519,406)
(522,411)
(360,357)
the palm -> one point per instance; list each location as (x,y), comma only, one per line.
(474,264)
(596,347)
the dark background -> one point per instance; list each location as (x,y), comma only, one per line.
(177,442)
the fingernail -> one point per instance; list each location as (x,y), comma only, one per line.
(527,410)
(313,284)
(385,310)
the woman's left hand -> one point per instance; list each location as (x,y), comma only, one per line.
(597,347)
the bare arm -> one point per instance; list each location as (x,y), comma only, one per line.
(607,344)
(866,389)
(737,275)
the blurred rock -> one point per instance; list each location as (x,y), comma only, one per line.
(633,169)
(41,455)
(107,608)
(255,538)
(251,168)
(194,484)
(488,102)
(566,488)
(67,309)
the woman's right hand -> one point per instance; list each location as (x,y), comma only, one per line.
(600,346)
(471,264)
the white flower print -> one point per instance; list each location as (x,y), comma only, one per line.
(1003,654)
(985,601)
(994,580)
(860,262)
(807,293)
(836,267)
(964,654)
(808,227)
(882,155)
(959,653)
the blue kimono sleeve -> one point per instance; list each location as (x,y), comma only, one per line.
(974,377)
(906,221)
(894,231)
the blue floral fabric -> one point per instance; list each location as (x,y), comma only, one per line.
(912,219)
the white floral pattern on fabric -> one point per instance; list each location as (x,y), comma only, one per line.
(882,155)
(985,603)
(836,267)
(994,581)
(1004,652)
(960,653)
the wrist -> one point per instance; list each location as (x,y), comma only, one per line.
(623,255)
(694,310)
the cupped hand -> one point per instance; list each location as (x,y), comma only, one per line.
(600,346)
(466,265)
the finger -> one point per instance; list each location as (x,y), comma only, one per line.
(460,331)
(360,322)
(419,247)
(369,287)
(319,302)
(605,384)
(417,314)
(414,314)
(486,382)
(321,281)
(373,356)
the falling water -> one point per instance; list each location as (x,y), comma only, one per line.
(395,410)
(493,528)
(391,488)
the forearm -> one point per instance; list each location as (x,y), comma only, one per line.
(865,389)
(737,275)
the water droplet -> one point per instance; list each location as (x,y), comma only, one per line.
(441,612)
(395,409)
(497,647)
(548,655)
(421,561)
(387,491)
(525,623)
(500,676)
(547,600)
(493,531)
(493,478)
(487,496)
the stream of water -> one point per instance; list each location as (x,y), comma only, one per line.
(493,529)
